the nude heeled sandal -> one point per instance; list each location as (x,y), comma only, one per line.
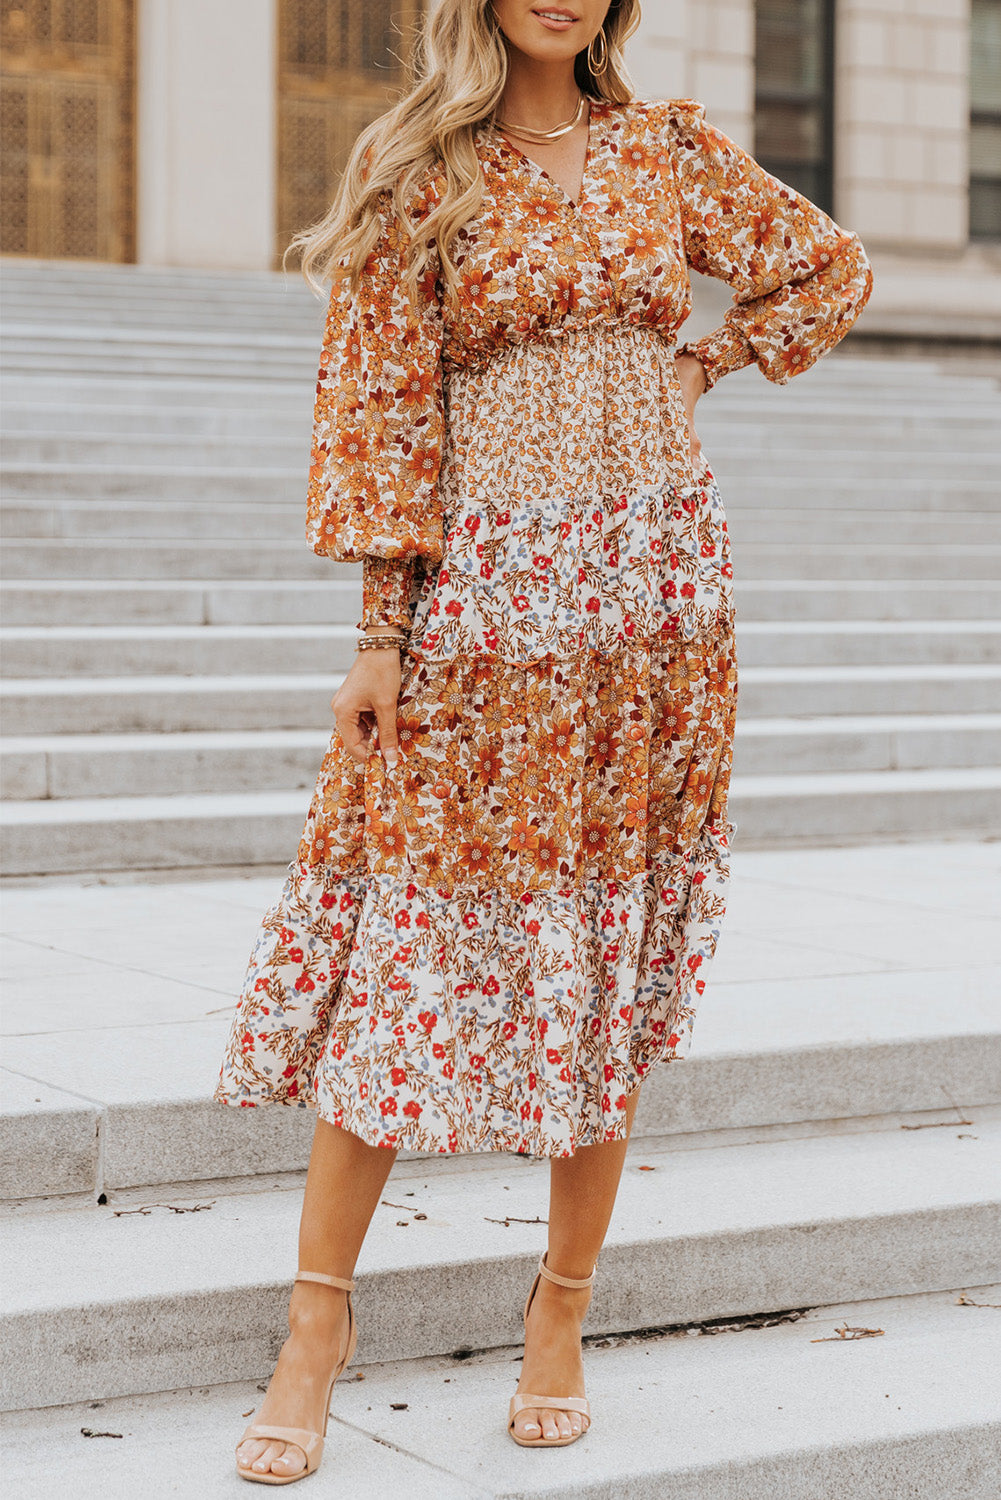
(311,1443)
(553,1403)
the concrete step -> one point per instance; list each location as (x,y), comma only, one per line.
(279,519)
(102,1129)
(79,347)
(122,765)
(829,402)
(154,314)
(759,432)
(154,355)
(170,705)
(850,371)
(225,602)
(763,424)
(291,558)
(76,835)
(159,312)
(101,421)
(196,340)
(842,1025)
(36,358)
(802,692)
(887,465)
(943,451)
(286,355)
(97,450)
(749,522)
(85,301)
(868,642)
(710,1233)
(847,599)
(938,396)
(165,482)
(263,601)
(155,559)
(247,393)
(912,1412)
(31,284)
(96,320)
(880,742)
(296,313)
(292,308)
(189,650)
(904,485)
(841,374)
(31,278)
(193,650)
(89,314)
(184,520)
(807,1051)
(751,428)
(236,305)
(845,808)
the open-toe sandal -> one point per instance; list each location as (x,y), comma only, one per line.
(311,1443)
(553,1403)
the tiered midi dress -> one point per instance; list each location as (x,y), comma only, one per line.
(488,947)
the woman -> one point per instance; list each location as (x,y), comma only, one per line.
(500,922)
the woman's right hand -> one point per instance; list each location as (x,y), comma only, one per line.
(365,705)
(692,378)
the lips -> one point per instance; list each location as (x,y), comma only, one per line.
(555,15)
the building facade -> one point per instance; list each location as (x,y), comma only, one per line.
(204,132)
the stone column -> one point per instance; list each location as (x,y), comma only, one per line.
(206,83)
(902,123)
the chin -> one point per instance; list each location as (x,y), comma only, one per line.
(553,52)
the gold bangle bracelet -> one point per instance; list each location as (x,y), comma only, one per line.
(381,642)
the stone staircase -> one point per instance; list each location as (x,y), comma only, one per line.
(171,645)
(828,1159)
(799,1292)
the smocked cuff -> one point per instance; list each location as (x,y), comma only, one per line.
(720,352)
(387,585)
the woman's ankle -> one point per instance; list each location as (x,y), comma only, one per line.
(315,1308)
(570,1303)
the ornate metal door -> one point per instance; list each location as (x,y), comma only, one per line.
(66,128)
(340,64)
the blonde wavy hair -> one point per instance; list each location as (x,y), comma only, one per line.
(456,80)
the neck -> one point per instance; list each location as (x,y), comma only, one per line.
(537,94)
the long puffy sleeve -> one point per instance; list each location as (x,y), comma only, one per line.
(800,281)
(377,428)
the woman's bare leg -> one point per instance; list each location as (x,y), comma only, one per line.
(581,1198)
(343,1185)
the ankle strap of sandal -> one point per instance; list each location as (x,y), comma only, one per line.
(339,1281)
(563,1280)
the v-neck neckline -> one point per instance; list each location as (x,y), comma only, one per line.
(593,112)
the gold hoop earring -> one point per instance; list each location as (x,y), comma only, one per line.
(593,63)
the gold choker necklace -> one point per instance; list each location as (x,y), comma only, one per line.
(543,135)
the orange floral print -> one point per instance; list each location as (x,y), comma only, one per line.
(490,945)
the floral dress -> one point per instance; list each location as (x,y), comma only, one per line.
(489,946)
